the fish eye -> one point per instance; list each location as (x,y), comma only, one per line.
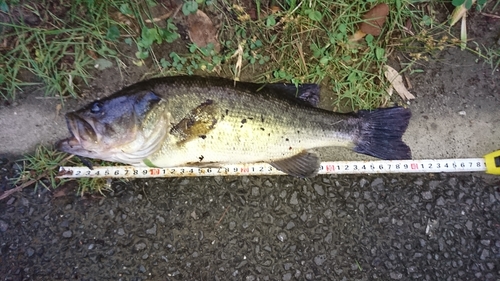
(96,107)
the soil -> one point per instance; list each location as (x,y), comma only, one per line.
(425,227)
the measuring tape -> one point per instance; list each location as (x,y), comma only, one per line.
(490,164)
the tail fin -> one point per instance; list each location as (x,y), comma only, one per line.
(381,133)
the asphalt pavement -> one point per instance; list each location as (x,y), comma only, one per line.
(439,227)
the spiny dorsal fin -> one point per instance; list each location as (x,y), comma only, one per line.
(308,93)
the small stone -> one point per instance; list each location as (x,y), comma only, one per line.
(3,226)
(142,269)
(396,275)
(434,184)
(64,224)
(468,224)
(287,277)
(120,231)
(255,191)
(140,246)
(194,215)
(282,236)
(362,182)
(319,260)
(293,199)
(290,225)
(427,195)
(377,181)
(67,234)
(30,251)
(328,214)
(485,242)
(25,202)
(490,265)
(303,217)
(283,194)
(367,195)
(484,254)
(453,182)
(419,182)
(91,246)
(328,238)
(440,201)
(319,189)
(152,230)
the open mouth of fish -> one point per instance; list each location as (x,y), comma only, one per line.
(81,131)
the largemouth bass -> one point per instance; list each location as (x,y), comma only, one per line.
(206,122)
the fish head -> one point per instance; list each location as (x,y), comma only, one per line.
(118,128)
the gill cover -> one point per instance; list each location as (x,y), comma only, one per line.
(110,129)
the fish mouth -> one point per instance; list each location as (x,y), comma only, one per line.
(80,128)
(81,131)
(70,145)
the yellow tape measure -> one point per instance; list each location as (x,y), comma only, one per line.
(492,162)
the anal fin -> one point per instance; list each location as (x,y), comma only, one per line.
(303,165)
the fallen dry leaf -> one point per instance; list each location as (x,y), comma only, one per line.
(58,109)
(397,83)
(238,54)
(202,31)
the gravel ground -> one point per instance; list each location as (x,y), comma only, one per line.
(428,227)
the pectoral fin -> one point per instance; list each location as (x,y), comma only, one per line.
(303,165)
(197,123)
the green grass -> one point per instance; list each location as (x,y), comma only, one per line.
(303,43)
(60,50)
(41,169)
(490,56)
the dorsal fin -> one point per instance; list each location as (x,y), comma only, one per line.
(308,93)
